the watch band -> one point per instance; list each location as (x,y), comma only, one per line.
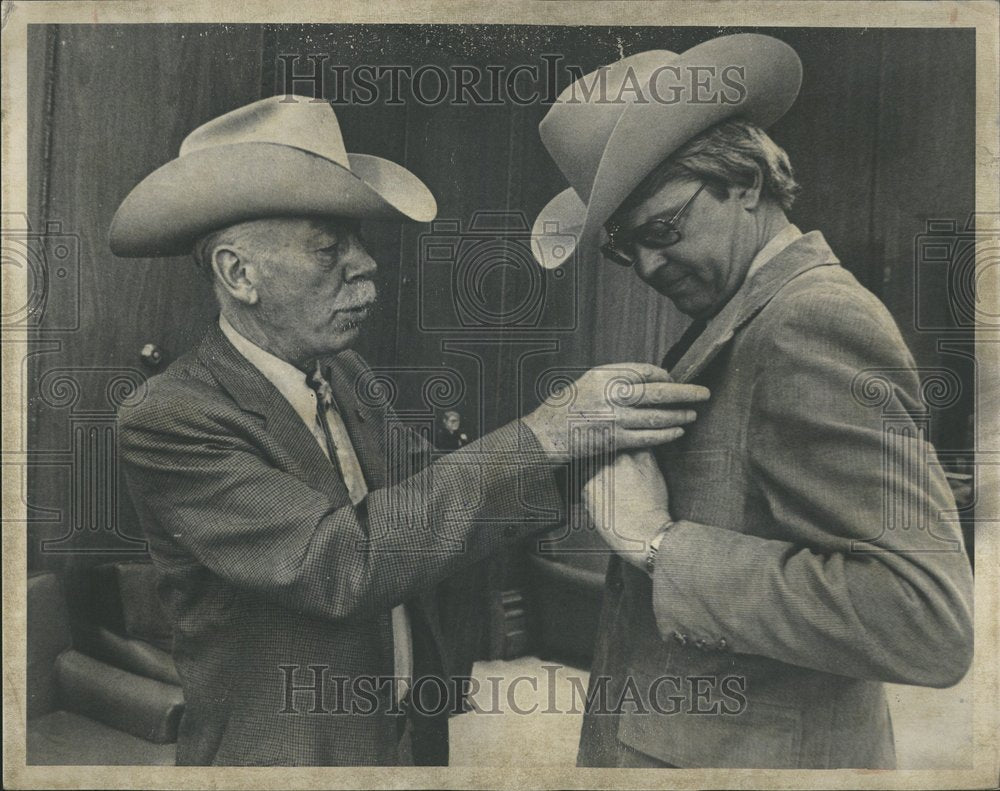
(654,547)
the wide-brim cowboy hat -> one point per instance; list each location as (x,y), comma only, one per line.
(280,156)
(607,132)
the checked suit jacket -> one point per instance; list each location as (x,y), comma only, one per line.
(272,579)
(817,552)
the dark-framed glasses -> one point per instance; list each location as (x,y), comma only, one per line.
(654,235)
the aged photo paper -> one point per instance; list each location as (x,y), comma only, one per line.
(542,394)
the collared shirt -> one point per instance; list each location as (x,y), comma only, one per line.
(291,383)
(775,245)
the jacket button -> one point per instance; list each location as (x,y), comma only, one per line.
(680,638)
(701,643)
(723,645)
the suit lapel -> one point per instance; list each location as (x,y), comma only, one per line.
(805,253)
(253,393)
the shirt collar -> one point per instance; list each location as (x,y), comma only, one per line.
(287,379)
(775,245)
(778,242)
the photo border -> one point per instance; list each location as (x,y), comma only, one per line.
(983,15)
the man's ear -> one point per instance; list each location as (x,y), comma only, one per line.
(749,196)
(234,275)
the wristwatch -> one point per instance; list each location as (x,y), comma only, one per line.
(654,546)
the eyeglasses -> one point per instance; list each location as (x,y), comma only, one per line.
(653,235)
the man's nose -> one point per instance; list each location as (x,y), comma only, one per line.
(647,262)
(358,264)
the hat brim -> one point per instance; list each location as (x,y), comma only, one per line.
(556,232)
(647,133)
(220,186)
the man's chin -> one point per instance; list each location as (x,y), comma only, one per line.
(683,293)
(689,304)
(344,338)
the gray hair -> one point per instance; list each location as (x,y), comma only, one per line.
(727,154)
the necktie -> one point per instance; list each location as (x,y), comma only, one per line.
(341,453)
(338,442)
(679,349)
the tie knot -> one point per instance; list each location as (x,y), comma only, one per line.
(319,381)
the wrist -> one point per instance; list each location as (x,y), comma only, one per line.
(536,425)
(654,546)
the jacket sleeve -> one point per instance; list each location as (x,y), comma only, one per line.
(863,572)
(205,492)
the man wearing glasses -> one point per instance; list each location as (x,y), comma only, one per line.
(789,554)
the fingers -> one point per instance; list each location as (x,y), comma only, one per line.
(630,418)
(646,438)
(637,372)
(671,393)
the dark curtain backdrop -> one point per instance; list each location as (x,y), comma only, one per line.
(881,137)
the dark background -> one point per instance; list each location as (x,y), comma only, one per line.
(881,137)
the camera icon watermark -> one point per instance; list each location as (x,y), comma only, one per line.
(491,279)
(49,261)
(955,261)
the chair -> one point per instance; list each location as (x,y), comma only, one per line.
(85,711)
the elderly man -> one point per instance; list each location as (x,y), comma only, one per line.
(808,549)
(297,544)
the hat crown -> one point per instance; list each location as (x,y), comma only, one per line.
(282,156)
(296,121)
(576,129)
(607,134)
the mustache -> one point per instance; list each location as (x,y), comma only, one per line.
(361,295)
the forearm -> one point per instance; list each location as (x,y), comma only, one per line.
(460,509)
(876,615)
(265,530)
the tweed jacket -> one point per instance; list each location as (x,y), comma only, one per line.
(817,552)
(279,590)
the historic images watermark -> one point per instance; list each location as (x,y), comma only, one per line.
(314,690)
(524,84)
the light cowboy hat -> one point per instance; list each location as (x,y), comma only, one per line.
(606,140)
(271,158)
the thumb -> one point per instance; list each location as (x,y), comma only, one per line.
(639,372)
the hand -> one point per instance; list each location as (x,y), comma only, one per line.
(628,503)
(627,405)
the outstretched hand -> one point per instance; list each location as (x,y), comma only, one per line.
(614,407)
